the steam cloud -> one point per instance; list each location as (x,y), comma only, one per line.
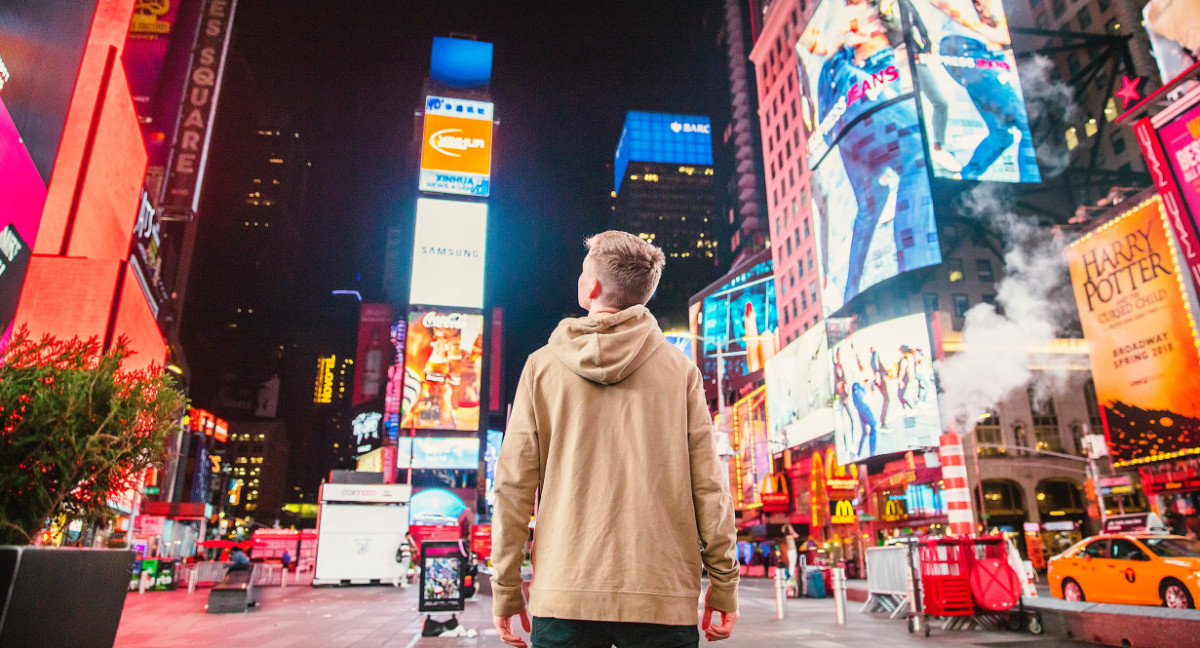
(1034,297)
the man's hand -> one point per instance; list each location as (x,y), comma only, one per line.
(504,628)
(718,632)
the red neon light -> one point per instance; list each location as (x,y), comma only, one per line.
(136,322)
(68,297)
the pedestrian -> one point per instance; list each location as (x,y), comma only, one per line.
(611,431)
(286,559)
(240,561)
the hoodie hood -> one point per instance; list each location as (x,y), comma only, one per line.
(607,349)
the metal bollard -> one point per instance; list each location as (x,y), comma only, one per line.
(283,578)
(143,582)
(839,594)
(193,578)
(916,621)
(780,595)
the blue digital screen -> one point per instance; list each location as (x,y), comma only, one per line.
(872,202)
(973,108)
(460,63)
(441,453)
(738,322)
(662,137)
(435,507)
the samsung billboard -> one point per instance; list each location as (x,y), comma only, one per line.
(448,254)
(662,137)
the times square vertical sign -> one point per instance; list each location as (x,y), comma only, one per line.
(189,154)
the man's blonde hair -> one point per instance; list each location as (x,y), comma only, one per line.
(628,267)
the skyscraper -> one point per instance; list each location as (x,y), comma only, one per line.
(664,193)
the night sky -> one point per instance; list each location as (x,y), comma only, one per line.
(564,73)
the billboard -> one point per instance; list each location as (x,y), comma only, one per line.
(449,247)
(456,150)
(884,396)
(442,369)
(393,394)
(1174,29)
(1181,145)
(435,507)
(1138,322)
(972,105)
(738,323)
(155,58)
(662,137)
(449,453)
(799,392)
(490,455)
(374,351)
(751,456)
(366,431)
(460,63)
(872,203)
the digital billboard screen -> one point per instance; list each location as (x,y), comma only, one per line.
(872,203)
(1181,144)
(1174,28)
(490,455)
(738,323)
(884,396)
(435,507)
(799,391)
(456,151)
(1137,321)
(449,247)
(445,453)
(374,352)
(973,108)
(662,137)
(751,455)
(442,369)
(460,63)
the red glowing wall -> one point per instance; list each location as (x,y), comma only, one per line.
(136,322)
(68,297)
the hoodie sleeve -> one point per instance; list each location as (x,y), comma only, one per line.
(713,503)
(517,476)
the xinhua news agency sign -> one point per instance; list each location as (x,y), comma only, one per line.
(185,173)
(456,151)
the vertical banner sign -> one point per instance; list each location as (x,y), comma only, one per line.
(1137,320)
(185,174)
(1172,200)
(1181,143)
(370,364)
(495,379)
(144,256)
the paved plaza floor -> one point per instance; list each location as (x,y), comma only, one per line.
(362,617)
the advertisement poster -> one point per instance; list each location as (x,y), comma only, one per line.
(155,59)
(1181,144)
(872,202)
(442,367)
(884,396)
(1174,29)
(456,152)
(445,453)
(490,455)
(739,324)
(436,507)
(752,458)
(394,391)
(973,108)
(1137,321)
(799,392)
(443,565)
(374,352)
(449,247)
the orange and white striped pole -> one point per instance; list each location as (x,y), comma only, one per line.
(956,493)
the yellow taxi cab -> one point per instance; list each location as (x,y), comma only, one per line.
(1131,568)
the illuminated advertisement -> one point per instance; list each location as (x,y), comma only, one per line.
(799,392)
(1137,321)
(442,368)
(449,245)
(973,108)
(872,203)
(435,507)
(323,385)
(1181,144)
(155,58)
(1174,29)
(684,341)
(145,258)
(445,453)
(738,323)
(394,391)
(662,137)
(751,456)
(374,351)
(456,150)
(366,431)
(460,63)
(490,455)
(884,396)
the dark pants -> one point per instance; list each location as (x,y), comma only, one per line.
(568,633)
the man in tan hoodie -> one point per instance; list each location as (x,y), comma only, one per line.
(611,437)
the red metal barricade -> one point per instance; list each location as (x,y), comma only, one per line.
(945,576)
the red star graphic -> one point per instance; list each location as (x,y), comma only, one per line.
(1129,91)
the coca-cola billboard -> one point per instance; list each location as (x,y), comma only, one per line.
(442,370)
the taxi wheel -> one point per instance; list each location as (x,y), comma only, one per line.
(1175,595)
(1072,591)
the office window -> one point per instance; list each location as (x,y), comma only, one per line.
(984,269)
(1059,7)
(1045,422)
(989,433)
(931,302)
(1118,142)
(954,267)
(1103,4)
(1085,17)
(961,303)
